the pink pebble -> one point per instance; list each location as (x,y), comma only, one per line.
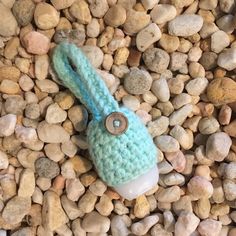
(177,160)
(36,43)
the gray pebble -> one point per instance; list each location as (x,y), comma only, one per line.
(46,168)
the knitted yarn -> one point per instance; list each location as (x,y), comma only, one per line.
(117,159)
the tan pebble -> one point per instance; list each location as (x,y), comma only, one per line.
(135,21)
(9,87)
(121,56)
(11,48)
(168,195)
(230,129)
(27,183)
(41,66)
(65,100)
(59,183)
(105,37)
(80,10)
(115,16)
(8,187)
(206,109)
(87,202)
(81,164)
(169,43)
(202,208)
(9,73)
(112,194)
(63,24)
(74,189)
(196,70)
(200,187)
(22,64)
(141,207)
(204,171)
(52,213)
(46,16)
(59,5)
(36,43)
(105,205)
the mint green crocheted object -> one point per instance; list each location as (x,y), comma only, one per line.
(117,159)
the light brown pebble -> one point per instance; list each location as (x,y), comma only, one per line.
(11,48)
(230,129)
(141,207)
(9,87)
(225,115)
(115,16)
(167,143)
(104,206)
(202,208)
(59,5)
(168,195)
(87,202)
(121,56)
(169,43)
(10,73)
(42,11)
(135,21)
(74,189)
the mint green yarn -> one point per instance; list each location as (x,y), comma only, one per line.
(117,159)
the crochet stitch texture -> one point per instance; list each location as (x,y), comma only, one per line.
(117,159)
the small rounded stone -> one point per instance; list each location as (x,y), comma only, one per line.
(115,16)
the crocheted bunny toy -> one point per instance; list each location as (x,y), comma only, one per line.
(120,146)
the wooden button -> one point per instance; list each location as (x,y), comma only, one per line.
(116,123)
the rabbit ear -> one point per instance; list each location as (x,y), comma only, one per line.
(77,74)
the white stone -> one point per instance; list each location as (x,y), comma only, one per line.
(4,162)
(161,90)
(197,86)
(55,114)
(219,41)
(26,135)
(227,59)
(7,124)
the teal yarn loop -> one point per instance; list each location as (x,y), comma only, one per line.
(117,159)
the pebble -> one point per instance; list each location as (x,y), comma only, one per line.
(221,91)
(27,183)
(98,9)
(177,160)
(53,216)
(87,202)
(180,100)
(41,13)
(227,59)
(8,23)
(93,28)
(131,102)
(169,43)
(10,73)
(4,162)
(219,41)
(178,117)
(69,148)
(186,224)
(25,135)
(7,124)
(141,207)
(229,187)
(168,195)
(196,87)
(225,23)
(23,10)
(76,36)
(64,99)
(173,179)
(178,61)
(137,81)
(94,54)
(26,83)
(167,143)
(182,136)
(53,151)
(143,226)
(41,66)
(156,59)
(55,114)
(185,25)
(59,5)
(9,87)
(93,222)
(158,126)
(32,111)
(46,168)
(36,43)
(105,205)
(70,208)
(47,86)
(161,90)
(121,56)
(147,36)
(80,10)
(135,21)
(98,188)
(209,227)
(162,13)
(81,164)
(225,115)
(230,129)
(15,209)
(199,187)
(74,189)
(218,146)
(115,16)
(78,115)
(208,125)
(46,130)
